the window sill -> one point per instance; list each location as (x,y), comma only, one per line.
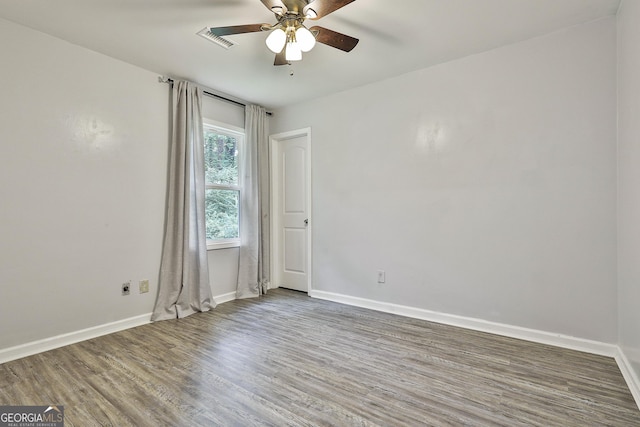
(226,244)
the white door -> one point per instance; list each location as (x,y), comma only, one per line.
(292,206)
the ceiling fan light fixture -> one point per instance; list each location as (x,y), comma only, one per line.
(276,40)
(288,37)
(305,39)
(293,52)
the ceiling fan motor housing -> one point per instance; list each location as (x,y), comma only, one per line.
(296,7)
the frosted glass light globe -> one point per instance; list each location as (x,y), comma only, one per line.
(305,39)
(293,52)
(276,40)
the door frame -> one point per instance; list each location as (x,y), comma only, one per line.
(274,163)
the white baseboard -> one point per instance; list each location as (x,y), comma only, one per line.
(629,375)
(533,335)
(35,347)
(221,299)
(558,340)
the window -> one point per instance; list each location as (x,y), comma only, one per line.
(222,145)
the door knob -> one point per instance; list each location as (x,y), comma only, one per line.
(306,222)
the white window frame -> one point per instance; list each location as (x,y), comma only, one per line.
(239,134)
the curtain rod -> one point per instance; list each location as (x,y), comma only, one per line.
(165,79)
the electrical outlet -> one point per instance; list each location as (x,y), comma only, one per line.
(126,288)
(381,276)
(144,286)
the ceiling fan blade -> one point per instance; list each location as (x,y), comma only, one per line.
(236,29)
(325,7)
(334,39)
(281,58)
(275,6)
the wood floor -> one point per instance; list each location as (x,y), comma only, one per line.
(289,360)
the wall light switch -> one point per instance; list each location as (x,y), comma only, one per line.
(144,286)
(381,276)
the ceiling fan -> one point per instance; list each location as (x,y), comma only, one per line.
(289,37)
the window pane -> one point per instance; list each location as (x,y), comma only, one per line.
(221,212)
(220,158)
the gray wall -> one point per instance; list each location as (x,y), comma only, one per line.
(83,172)
(485,187)
(629,182)
(83,160)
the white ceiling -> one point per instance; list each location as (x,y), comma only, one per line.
(395,38)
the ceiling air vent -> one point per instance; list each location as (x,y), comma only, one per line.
(220,41)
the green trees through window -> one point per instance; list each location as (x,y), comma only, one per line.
(222,194)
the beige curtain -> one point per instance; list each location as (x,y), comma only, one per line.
(184,274)
(254,266)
